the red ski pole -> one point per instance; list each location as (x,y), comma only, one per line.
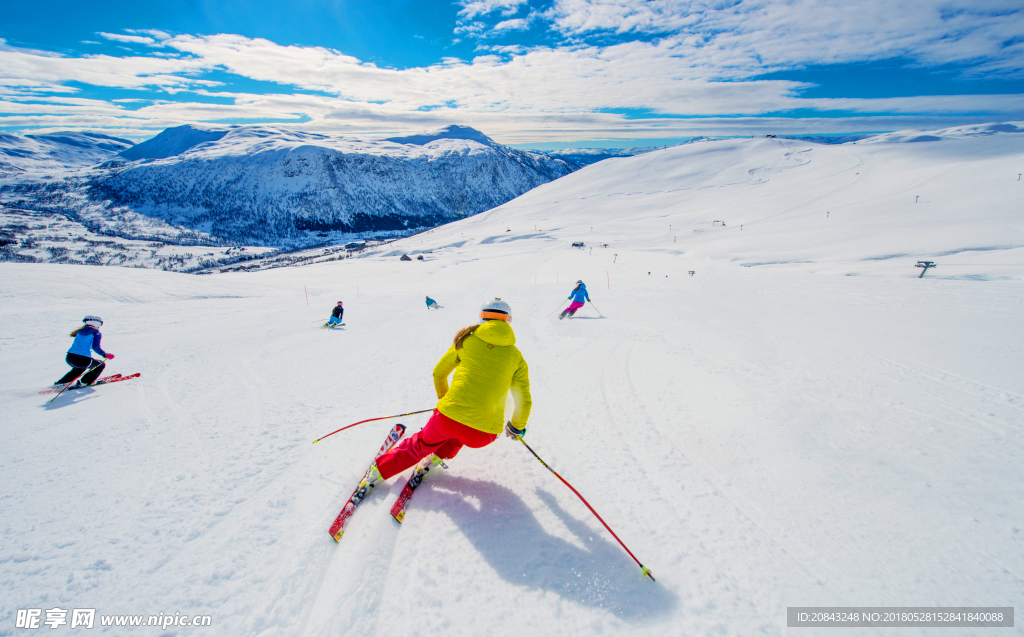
(557,308)
(646,571)
(84,372)
(411,413)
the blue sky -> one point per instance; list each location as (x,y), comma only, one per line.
(545,74)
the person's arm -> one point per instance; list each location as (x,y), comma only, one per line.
(521,395)
(586,294)
(96,344)
(443,369)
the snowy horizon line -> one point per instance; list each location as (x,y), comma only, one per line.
(540,146)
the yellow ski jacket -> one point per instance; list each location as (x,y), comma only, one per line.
(486,368)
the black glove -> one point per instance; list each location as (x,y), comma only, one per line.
(512,432)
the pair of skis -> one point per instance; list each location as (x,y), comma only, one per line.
(106,380)
(337,529)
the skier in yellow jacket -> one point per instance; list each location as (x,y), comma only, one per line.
(487,366)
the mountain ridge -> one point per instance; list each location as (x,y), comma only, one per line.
(273,186)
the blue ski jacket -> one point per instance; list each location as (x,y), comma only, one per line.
(579,295)
(431,301)
(86,341)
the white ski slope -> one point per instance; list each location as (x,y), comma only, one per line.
(761,437)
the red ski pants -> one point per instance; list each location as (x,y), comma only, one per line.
(441,435)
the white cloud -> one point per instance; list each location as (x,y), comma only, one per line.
(518,24)
(26,67)
(135,39)
(514,93)
(473,8)
(749,37)
(159,35)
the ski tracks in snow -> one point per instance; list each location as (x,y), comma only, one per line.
(356,570)
(728,561)
(995,397)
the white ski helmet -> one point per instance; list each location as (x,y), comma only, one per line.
(496,310)
(93,321)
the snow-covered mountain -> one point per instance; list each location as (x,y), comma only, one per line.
(24,155)
(174,141)
(586,156)
(271,186)
(799,422)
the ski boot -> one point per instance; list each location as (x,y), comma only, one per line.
(423,467)
(562,315)
(370,480)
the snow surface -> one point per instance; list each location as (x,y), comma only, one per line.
(29,155)
(820,427)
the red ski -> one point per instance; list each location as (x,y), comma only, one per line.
(420,472)
(338,528)
(106,380)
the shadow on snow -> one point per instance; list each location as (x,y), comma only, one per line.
(512,541)
(70,397)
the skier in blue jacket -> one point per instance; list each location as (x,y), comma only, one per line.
(578,296)
(87,340)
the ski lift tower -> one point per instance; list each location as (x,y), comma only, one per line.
(924,265)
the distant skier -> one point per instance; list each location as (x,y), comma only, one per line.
(336,314)
(578,296)
(487,365)
(432,304)
(87,339)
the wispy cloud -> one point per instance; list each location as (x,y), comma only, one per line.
(134,39)
(470,23)
(156,33)
(473,8)
(617,68)
(749,37)
(517,24)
